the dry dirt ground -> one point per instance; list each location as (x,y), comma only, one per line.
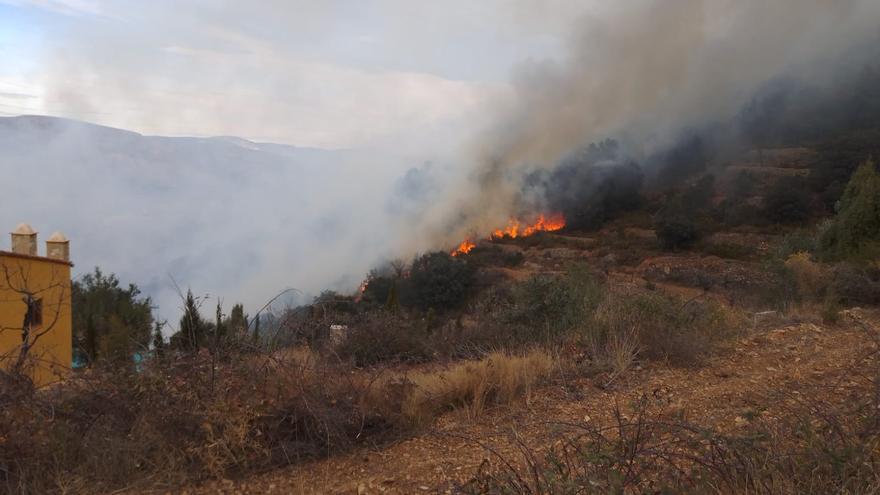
(796,357)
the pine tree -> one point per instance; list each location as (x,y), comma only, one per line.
(158,340)
(237,322)
(219,326)
(257,330)
(855,231)
(192,327)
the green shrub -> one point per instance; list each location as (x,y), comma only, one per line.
(377,290)
(799,241)
(494,256)
(855,232)
(665,327)
(679,224)
(106,315)
(437,281)
(547,307)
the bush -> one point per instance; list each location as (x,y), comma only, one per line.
(385,337)
(107,316)
(664,328)
(680,223)
(377,290)
(546,307)
(180,424)
(105,431)
(854,285)
(830,311)
(855,232)
(799,241)
(837,160)
(437,281)
(780,289)
(809,276)
(495,256)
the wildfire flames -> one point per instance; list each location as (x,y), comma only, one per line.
(464,248)
(515,228)
(361,289)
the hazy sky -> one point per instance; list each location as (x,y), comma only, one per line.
(483,90)
(326,73)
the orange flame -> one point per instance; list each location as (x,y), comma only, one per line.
(464,248)
(514,229)
(362,289)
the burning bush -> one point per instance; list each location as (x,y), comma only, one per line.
(591,185)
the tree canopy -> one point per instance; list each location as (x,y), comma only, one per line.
(855,231)
(109,322)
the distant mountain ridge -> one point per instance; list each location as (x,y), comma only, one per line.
(222,214)
(36,127)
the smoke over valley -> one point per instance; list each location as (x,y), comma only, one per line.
(649,75)
(601,101)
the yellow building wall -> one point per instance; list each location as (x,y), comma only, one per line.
(48,280)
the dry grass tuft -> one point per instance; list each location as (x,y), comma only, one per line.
(809,277)
(498,379)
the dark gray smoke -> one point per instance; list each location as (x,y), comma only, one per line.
(644,73)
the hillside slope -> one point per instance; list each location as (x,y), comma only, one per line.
(785,359)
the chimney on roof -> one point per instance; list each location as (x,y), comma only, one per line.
(58,247)
(24,240)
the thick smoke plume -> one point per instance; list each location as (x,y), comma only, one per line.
(242,220)
(641,73)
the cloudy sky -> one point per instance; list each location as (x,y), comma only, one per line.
(335,74)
